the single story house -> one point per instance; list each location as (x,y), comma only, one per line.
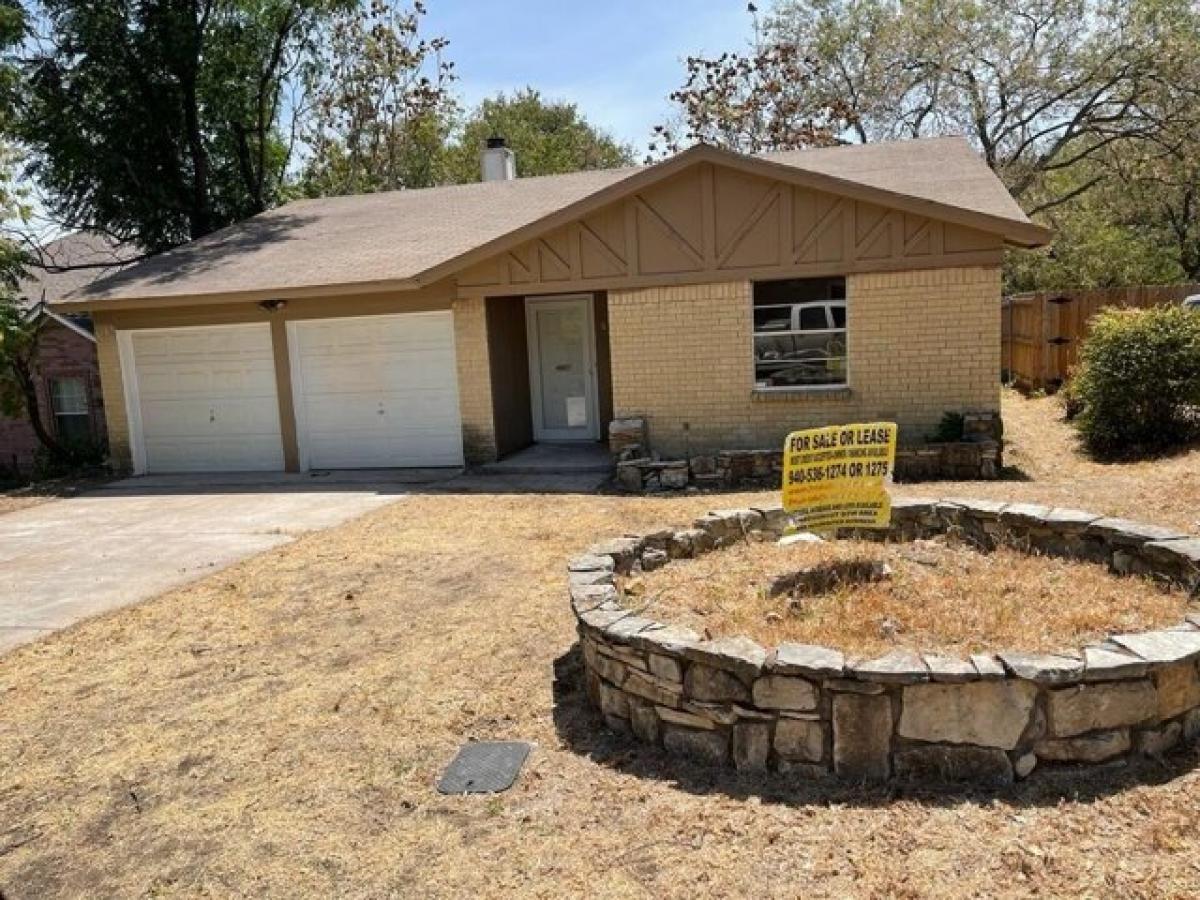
(725,299)
(70,400)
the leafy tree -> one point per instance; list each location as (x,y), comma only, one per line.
(754,102)
(1102,239)
(548,138)
(381,110)
(159,121)
(1039,86)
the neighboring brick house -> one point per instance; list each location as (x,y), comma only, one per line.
(725,299)
(70,398)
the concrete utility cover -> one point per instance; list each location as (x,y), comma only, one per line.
(485,767)
(69,559)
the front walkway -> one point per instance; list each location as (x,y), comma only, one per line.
(130,540)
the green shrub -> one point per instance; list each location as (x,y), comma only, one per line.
(949,429)
(1137,386)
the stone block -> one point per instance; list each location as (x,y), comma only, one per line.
(949,669)
(650,688)
(1162,646)
(719,713)
(1191,725)
(1095,707)
(674,476)
(1128,533)
(685,718)
(589,579)
(629,476)
(643,720)
(665,667)
(751,746)
(588,597)
(1070,521)
(986,713)
(953,765)
(739,655)
(1044,668)
(590,563)
(709,747)
(624,433)
(1089,748)
(654,559)
(1025,515)
(807,659)
(989,667)
(705,683)
(1103,663)
(1178,689)
(665,639)
(850,686)
(800,739)
(784,692)
(897,667)
(623,552)
(1157,741)
(1024,765)
(862,736)
(609,669)
(613,702)
(616,723)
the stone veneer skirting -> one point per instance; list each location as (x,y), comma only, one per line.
(812,711)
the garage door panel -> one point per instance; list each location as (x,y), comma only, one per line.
(207,399)
(187,418)
(379,391)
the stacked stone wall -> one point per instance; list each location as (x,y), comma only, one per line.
(813,711)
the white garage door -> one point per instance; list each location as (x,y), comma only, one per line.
(202,399)
(376,391)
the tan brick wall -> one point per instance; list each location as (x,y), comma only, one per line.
(920,343)
(117,418)
(474,380)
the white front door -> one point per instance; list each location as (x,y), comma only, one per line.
(201,399)
(376,391)
(562,368)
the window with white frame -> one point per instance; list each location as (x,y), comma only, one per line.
(800,333)
(68,402)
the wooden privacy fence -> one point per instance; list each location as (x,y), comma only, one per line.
(1041,331)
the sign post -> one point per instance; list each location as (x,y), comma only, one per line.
(835,477)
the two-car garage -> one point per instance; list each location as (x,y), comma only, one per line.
(375,391)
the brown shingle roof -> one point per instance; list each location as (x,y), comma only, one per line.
(411,236)
(69,264)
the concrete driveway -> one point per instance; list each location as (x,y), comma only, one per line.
(68,559)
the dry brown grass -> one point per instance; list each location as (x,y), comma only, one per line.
(276,730)
(940,596)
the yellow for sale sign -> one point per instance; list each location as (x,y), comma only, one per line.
(834,477)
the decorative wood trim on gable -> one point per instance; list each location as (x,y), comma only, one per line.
(718,222)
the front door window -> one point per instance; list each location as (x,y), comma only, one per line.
(560,367)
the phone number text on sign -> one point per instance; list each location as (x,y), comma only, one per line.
(835,477)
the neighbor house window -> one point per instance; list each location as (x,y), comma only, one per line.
(68,402)
(800,333)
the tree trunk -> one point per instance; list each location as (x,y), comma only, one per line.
(23,371)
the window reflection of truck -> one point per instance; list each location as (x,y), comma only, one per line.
(809,344)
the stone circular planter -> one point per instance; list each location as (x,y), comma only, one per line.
(812,711)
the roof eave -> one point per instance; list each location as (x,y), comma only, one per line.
(295,292)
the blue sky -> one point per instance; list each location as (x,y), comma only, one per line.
(617,59)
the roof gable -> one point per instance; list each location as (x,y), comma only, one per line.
(710,220)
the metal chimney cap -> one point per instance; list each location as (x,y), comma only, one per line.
(495,142)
